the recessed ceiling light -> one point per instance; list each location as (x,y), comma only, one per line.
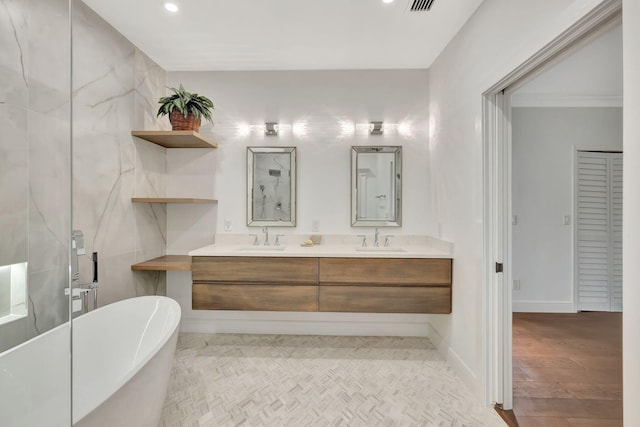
(387,1)
(171,7)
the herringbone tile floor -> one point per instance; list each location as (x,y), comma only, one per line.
(286,380)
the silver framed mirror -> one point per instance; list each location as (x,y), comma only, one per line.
(271,186)
(376,186)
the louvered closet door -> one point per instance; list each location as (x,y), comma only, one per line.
(599,231)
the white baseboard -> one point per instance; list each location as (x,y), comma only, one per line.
(543,307)
(462,369)
(437,340)
(306,327)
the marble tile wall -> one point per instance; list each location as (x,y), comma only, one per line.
(14,155)
(49,133)
(115,90)
(35,158)
(151,173)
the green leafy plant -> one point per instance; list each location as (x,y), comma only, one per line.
(186,103)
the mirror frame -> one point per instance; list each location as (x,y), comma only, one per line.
(397,221)
(251,152)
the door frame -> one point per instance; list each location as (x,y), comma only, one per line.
(497,198)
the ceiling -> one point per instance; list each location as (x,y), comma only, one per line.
(287,34)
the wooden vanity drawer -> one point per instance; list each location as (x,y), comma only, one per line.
(386,271)
(255,269)
(385,299)
(214,296)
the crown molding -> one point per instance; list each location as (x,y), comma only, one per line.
(548,100)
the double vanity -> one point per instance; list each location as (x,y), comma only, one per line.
(351,276)
(338,275)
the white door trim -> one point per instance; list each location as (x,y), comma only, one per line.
(497,305)
(497,239)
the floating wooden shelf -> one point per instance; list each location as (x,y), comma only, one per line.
(171,200)
(175,138)
(165,263)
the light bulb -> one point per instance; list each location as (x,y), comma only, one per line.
(171,7)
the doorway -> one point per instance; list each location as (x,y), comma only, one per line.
(566,365)
(498,226)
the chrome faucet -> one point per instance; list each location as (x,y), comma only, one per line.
(376,238)
(265,230)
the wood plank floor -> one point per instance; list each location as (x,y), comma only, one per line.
(567,369)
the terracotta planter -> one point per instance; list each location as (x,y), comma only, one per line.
(180,122)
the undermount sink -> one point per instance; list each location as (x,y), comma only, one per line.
(262,248)
(379,249)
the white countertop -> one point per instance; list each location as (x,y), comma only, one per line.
(337,246)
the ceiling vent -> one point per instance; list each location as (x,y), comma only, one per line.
(420,5)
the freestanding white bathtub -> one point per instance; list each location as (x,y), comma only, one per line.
(122,356)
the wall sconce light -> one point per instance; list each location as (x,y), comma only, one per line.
(376,128)
(275,128)
(271,128)
(267,128)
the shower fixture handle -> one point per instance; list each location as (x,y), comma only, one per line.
(77,249)
(94,259)
(81,290)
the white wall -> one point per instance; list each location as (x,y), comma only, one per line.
(191,173)
(500,36)
(631,248)
(544,144)
(324,105)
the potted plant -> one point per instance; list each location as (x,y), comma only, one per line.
(185,110)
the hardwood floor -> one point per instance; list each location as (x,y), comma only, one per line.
(567,369)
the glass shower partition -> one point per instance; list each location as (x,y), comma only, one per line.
(35,211)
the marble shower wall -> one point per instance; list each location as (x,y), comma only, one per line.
(35,158)
(116,88)
(14,149)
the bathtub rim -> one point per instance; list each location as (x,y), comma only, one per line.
(45,333)
(78,415)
